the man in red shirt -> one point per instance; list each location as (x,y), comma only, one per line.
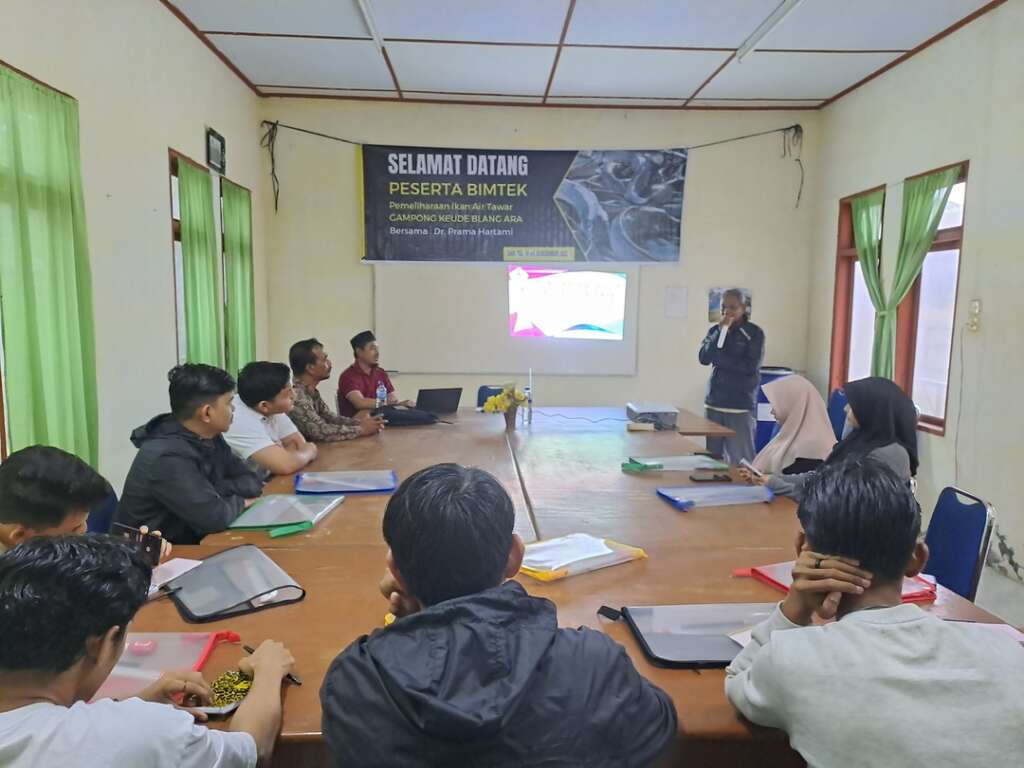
(357,387)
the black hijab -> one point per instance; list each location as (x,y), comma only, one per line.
(885,415)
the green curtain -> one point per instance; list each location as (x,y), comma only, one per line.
(45,282)
(199,265)
(924,200)
(240,320)
(867,236)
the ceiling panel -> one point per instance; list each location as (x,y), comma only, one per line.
(684,23)
(295,17)
(478,68)
(337,92)
(631,72)
(301,61)
(867,24)
(793,75)
(511,21)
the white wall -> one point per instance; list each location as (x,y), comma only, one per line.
(960,99)
(740,226)
(143,83)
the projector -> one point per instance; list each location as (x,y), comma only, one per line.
(660,415)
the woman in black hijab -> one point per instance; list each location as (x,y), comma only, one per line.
(881,422)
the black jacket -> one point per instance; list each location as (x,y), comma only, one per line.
(737,365)
(183,485)
(490,680)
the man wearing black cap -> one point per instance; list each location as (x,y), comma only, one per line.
(357,387)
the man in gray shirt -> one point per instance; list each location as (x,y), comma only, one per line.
(887,684)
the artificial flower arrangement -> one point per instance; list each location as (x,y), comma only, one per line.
(509,399)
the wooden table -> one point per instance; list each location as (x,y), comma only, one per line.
(570,470)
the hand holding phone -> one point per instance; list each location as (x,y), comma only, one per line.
(751,468)
(148,544)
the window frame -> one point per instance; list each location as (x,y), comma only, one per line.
(842,301)
(907,316)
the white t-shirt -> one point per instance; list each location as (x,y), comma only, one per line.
(109,733)
(251,431)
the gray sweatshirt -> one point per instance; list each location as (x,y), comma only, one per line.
(893,456)
(893,687)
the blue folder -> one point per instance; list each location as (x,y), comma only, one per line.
(349,481)
(715,495)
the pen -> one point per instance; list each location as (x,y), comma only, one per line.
(292,678)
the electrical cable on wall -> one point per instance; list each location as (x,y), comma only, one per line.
(792,147)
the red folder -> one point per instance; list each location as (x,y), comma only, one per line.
(780,576)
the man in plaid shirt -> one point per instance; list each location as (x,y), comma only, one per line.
(317,423)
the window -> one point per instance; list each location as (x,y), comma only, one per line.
(853,318)
(926,320)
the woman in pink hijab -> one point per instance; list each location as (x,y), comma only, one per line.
(805,438)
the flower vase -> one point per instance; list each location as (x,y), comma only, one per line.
(510,418)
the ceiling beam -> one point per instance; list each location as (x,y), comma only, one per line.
(558,51)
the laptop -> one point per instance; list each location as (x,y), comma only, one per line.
(439,401)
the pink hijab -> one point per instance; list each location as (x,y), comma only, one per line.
(806,432)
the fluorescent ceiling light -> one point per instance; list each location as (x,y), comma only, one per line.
(766,26)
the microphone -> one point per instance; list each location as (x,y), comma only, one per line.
(721,336)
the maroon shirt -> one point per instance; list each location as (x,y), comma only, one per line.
(354,378)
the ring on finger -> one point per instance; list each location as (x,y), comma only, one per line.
(817,563)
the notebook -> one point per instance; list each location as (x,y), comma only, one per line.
(673,463)
(275,511)
(715,495)
(693,636)
(346,481)
(574,554)
(780,576)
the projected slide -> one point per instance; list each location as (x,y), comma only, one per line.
(566,304)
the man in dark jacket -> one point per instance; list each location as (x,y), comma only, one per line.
(735,349)
(475,671)
(185,480)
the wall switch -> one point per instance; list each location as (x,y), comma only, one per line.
(974,315)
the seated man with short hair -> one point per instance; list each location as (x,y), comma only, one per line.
(261,431)
(185,481)
(45,491)
(357,385)
(888,684)
(311,365)
(476,671)
(65,606)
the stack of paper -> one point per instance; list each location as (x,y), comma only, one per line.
(715,495)
(576,553)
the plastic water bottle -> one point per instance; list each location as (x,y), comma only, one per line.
(382,396)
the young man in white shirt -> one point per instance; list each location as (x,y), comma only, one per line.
(261,430)
(65,606)
(887,683)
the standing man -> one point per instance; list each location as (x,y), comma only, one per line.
(357,387)
(734,348)
(311,365)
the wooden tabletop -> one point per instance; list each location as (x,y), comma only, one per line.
(573,480)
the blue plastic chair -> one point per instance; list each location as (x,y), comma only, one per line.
(486,391)
(837,412)
(102,515)
(958,538)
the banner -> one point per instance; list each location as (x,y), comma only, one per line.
(431,204)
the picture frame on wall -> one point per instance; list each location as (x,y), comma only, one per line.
(215,151)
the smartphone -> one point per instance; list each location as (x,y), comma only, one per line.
(753,470)
(710,477)
(148,544)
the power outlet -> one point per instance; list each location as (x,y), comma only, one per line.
(974,315)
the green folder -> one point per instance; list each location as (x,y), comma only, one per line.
(280,512)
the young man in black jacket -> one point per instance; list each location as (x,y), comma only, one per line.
(476,671)
(734,348)
(185,480)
